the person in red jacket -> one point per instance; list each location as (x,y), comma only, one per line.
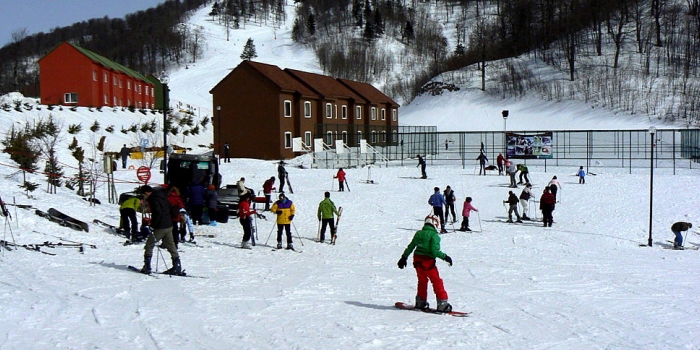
(500,161)
(176,201)
(244,217)
(341,179)
(268,187)
(547,202)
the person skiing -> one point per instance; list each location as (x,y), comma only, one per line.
(500,161)
(176,202)
(482,163)
(554,186)
(185,225)
(162,230)
(425,247)
(523,173)
(340,175)
(677,228)
(581,175)
(450,199)
(326,209)
(437,201)
(127,212)
(245,218)
(125,152)
(211,201)
(285,209)
(421,163)
(513,203)
(467,208)
(268,187)
(511,169)
(227,153)
(282,175)
(524,200)
(547,203)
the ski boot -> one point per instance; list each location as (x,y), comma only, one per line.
(246,245)
(421,303)
(176,269)
(289,246)
(443,306)
(146,265)
(279,245)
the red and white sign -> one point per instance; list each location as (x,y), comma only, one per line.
(144,174)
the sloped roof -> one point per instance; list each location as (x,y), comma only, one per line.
(278,77)
(109,63)
(326,86)
(368,91)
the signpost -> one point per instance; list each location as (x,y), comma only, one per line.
(143,173)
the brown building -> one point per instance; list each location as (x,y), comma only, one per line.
(259,108)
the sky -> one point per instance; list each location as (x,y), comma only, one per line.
(43,15)
(585,283)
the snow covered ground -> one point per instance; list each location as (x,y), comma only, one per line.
(585,283)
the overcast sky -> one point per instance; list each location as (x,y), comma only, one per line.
(44,15)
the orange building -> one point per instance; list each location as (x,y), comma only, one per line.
(70,75)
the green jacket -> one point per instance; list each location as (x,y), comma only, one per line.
(426,242)
(132,203)
(522,168)
(326,209)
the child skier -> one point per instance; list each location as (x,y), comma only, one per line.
(185,221)
(677,228)
(581,175)
(426,244)
(466,210)
(513,203)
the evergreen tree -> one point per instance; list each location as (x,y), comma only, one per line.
(249,50)
(407,33)
(357,12)
(311,24)
(378,23)
(297,31)
(19,144)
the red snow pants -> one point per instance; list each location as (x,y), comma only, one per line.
(427,271)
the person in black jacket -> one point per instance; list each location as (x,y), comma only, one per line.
(449,195)
(421,164)
(513,203)
(161,224)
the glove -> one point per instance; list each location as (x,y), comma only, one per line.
(291,217)
(278,212)
(448,260)
(402,262)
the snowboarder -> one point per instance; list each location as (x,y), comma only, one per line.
(523,173)
(547,203)
(426,244)
(466,210)
(554,186)
(285,209)
(437,201)
(513,207)
(677,228)
(162,230)
(185,225)
(326,209)
(482,163)
(227,153)
(127,211)
(500,161)
(245,218)
(421,163)
(524,200)
(282,174)
(511,169)
(340,175)
(125,152)
(268,187)
(450,199)
(581,175)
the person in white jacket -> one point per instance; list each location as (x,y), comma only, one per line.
(554,185)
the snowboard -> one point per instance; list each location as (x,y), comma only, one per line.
(404,306)
(69,220)
(58,220)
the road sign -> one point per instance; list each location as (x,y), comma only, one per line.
(143,173)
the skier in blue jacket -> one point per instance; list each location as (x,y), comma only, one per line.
(438,202)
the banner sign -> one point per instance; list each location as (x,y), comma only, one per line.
(529,146)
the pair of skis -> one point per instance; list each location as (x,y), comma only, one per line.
(334,236)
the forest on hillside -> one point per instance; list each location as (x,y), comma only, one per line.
(612,53)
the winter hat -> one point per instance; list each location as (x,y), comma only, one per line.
(436,189)
(182,210)
(146,189)
(282,196)
(327,194)
(432,220)
(211,187)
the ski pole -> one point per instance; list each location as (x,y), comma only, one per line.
(269,235)
(478,216)
(346,185)
(298,235)
(318,233)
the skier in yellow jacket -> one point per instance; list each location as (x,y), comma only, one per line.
(285,209)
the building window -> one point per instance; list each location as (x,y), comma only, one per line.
(395,137)
(106,99)
(329,111)
(374,113)
(138,88)
(307,138)
(114,81)
(287,109)
(384,136)
(374,136)
(71,97)
(344,112)
(393,115)
(383,114)
(128,102)
(307,109)
(94,75)
(114,99)
(120,83)
(358,112)
(335,111)
(329,138)
(359,137)
(106,78)
(344,135)
(128,84)
(288,139)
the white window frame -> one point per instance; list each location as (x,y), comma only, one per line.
(329,138)
(383,114)
(114,80)
(358,112)
(287,108)
(329,111)
(344,112)
(394,114)
(114,100)
(106,99)
(307,109)
(344,136)
(287,139)
(374,136)
(384,136)
(128,84)
(359,137)
(373,113)
(335,111)
(70,97)
(94,75)
(307,138)
(106,78)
